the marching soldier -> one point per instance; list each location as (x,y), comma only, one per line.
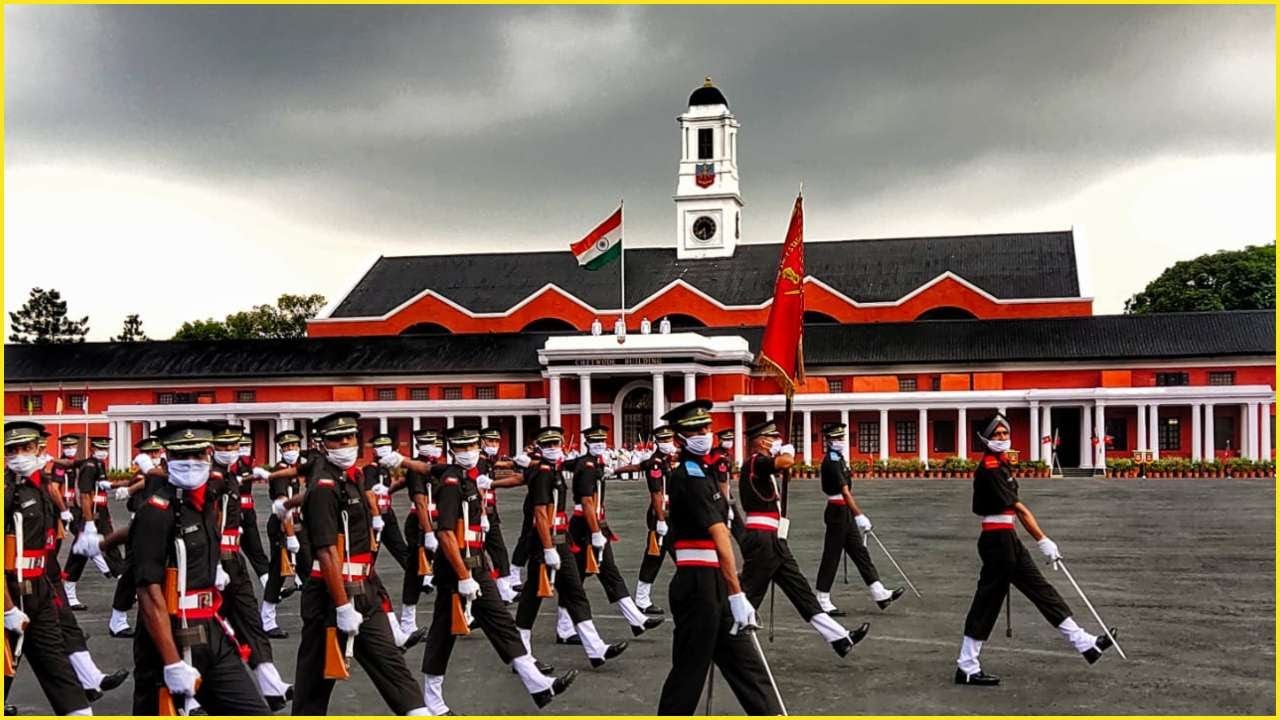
(184,650)
(64,490)
(712,614)
(250,539)
(1006,561)
(720,460)
(766,557)
(656,470)
(846,524)
(240,606)
(31,622)
(549,552)
(419,530)
(494,544)
(463,579)
(92,484)
(377,481)
(283,535)
(589,530)
(343,591)
(139,488)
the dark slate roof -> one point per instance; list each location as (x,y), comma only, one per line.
(1107,337)
(1016,265)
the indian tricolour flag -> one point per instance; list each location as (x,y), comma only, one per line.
(602,245)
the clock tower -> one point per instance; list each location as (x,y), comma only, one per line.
(708,206)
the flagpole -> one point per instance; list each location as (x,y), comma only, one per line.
(623,268)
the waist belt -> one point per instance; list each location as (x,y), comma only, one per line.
(1004,521)
(475,537)
(490,498)
(31,565)
(384,503)
(357,568)
(246,502)
(561,522)
(230,541)
(69,495)
(199,604)
(100,497)
(579,512)
(696,553)
(763,521)
(835,499)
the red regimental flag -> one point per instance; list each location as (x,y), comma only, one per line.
(780,350)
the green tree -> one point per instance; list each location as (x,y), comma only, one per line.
(43,319)
(1224,280)
(286,319)
(131,331)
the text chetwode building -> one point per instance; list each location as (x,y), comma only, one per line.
(908,340)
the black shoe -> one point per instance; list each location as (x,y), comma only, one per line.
(125,633)
(10,709)
(545,669)
(92,695)
(649,624)
(78,606)
(1094,654)
(846,643)
(277,633)
(474,625)
(571,640)
(415,637)
(836,612)
(610,653)
(653,610)
(114,680)
(897,593)
(287,590)
(978,678)
(275,703)
(562,683)
(515,600)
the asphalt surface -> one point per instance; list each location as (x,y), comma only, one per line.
(1184,568)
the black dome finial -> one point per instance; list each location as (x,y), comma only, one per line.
(708,94)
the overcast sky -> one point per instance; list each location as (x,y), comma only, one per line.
(188,162)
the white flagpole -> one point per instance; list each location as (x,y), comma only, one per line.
(623,271)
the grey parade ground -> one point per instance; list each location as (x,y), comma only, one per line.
(1163,560)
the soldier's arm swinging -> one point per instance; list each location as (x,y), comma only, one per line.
(589,511)
(542,515)
(153,614)
(1028,521)
(509,480)
(424,513)
(655,501)
(55,495)
(724,551)
(849,501)
(327,557)
(283,473)
(416,466)
(449,545)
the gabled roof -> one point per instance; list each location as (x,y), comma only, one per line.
(1058,340)
(1007,266)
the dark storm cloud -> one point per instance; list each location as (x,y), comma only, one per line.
(424,122)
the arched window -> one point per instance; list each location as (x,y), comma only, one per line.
(426,328)
(637,415)
(813,317)
(946,312)
(681,321)
(553,325)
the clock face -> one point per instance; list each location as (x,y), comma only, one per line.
(704,228)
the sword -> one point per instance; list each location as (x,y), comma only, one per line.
(872,533)
(22,636)
(1063,566)
(773,683)
(189,703)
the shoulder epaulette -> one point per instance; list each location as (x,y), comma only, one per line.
(159,502)
(325,482)
(990,462)
(693,468)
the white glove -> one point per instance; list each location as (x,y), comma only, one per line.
(291,543)
(744,616)
(523,460)
(348,619)
(597,540)
(787,449)
(730,513)
(181,678)
(484,482)
(469,589)
(89,544)
(661,528)
(144,462)
(430,542)
(122,494)
(428,581)
(104,484)
(551,557)
(775,447)
(66,516)
(377,523)
(277,507)
(609,472)
(380,489)
(863,522)
(261,473)
(15,620)
(484,523)
(221,578)
(392,460)
(1050,549)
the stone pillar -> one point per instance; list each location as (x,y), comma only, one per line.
(1086,437)
(1210,450)
(659,398)
(273,452)
(584,402)
(806,442)
(553,399)
(1142,428)
(1046,431)
(417,424)
(884,434)
(382,424)
(738,440)
(1197,439)
(519,439)
(484,421)
(922,435)
(962,432)
(1265,435)
(1033,439)
(1153,430)
(1252,427)
(690,386)
(1100,426)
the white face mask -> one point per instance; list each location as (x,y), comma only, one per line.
(68,452)
(434,451)
(226,457)
(998,446)
(597,448)
(491,450)
(727,444)
(382,451)
(839,446)
(344,457)
(467,458)
(666,448)
(100,454)
(188,474)
(552,453)
(698,444)
(23,465)
(245,450)
(290,456)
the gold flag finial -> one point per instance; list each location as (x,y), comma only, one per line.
(706,81)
